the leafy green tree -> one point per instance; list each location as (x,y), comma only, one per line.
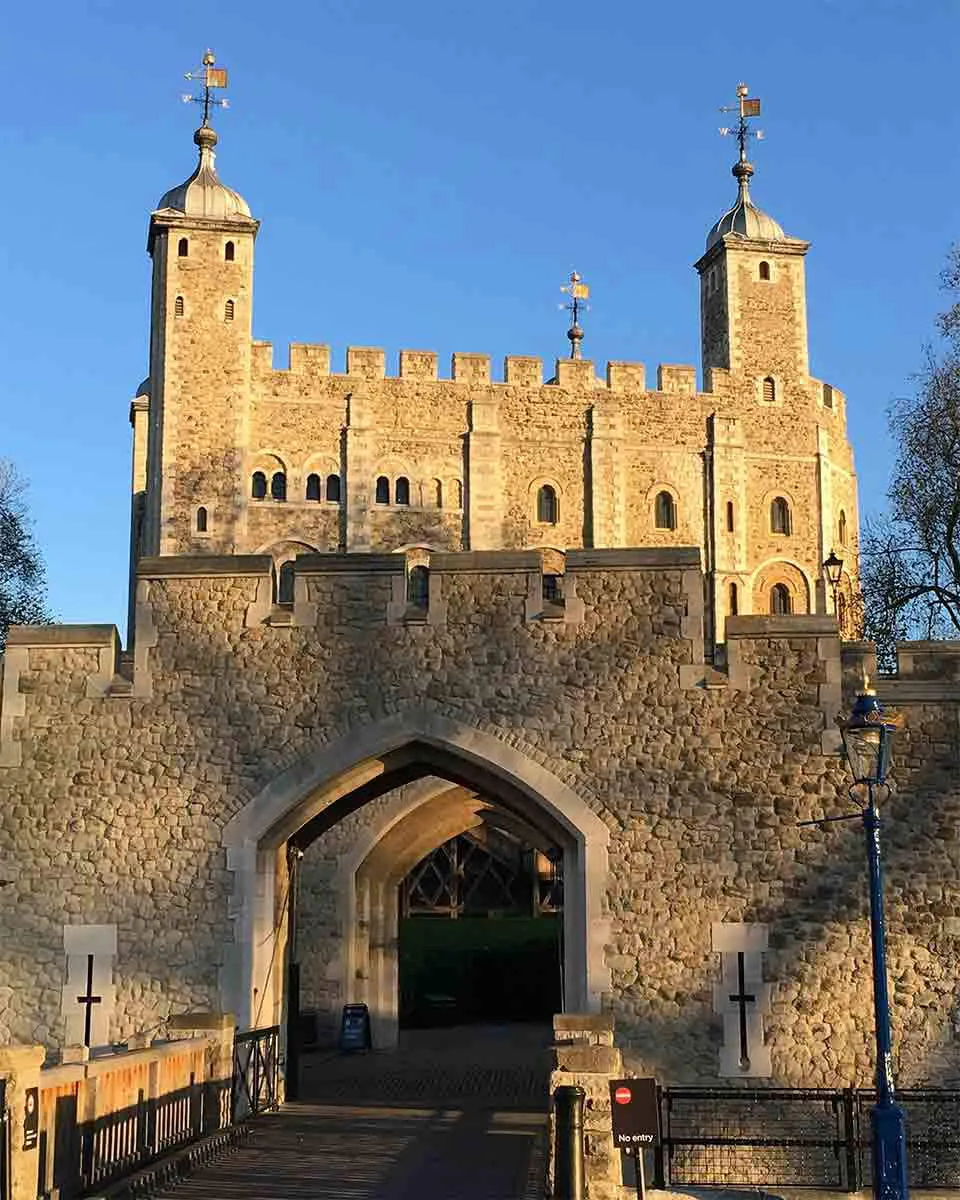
(22,582)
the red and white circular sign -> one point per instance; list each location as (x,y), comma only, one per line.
(623,1095)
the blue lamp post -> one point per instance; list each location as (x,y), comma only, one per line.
(868,742)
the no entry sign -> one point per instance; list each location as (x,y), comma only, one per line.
(635,1113)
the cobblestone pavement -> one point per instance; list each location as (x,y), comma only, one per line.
(456,1114)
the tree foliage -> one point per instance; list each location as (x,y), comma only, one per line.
(22,582)
(910,557)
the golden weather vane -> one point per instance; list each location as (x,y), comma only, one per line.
(747,106)
(209,77)
(579,293)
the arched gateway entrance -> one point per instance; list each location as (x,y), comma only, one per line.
(461,769)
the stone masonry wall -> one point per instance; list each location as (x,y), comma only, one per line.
(114,793)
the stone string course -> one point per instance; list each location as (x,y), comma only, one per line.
(115,793)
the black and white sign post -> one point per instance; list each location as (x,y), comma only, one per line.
(635,1116)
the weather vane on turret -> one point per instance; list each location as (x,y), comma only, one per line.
(746,107)
(579,293)
(209,77)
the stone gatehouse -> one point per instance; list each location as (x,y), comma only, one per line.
(368,614)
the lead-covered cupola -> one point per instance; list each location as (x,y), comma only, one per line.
(203,195)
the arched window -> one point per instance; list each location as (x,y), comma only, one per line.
(665,511)
(551,589)
(183,248)
(278,486)
(401,493)
(178,307)
(842,528)
(438,493)
(458,493)
(781,604)
(383,490)
(229,252)
(313,487)
(729,516)
(764,270)
(201,520)
(769,390)
(259,488)
(333,488)
(779,515)
(733,605)
(285,583)
(228,309)
(418,587)
(547,507)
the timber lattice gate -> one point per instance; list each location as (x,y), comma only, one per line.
(799,1137)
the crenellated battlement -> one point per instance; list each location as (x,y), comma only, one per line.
(519,370)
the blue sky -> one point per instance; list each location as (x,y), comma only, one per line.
(427,174)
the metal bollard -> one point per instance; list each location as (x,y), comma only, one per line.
(568,1144)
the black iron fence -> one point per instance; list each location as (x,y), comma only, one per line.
(256,1061)
(799,1137)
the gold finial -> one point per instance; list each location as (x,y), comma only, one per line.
(578,292)
(747,106)
(209,77)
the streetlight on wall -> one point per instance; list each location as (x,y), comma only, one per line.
(834,569)
(868,742)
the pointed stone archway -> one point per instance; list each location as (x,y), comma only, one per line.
(318,791)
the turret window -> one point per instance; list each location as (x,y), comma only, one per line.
(229,252)
(313,487)
(183,248)
(665,511)
(769,390)
(178,307)
(780,516)
(278,486)
(842,528)
(438,493)
(764,270)
(733,605)
(781,602)
(383,490)
(258,488)
(228,309)
(333,488)
(548,510)
(402,493)
(730,523)
(201,520)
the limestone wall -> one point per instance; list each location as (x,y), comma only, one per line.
(114,791)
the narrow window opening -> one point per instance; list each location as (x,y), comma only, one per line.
(827,396)
(183,248)
(734,605)
(547,507)
(229,252)
(552,591)
(458,493)
(779,516)
(781,603)
(438,493)
(258,489)
(729,516)
(285,584)
(418,587)
(201,520)
(333,488)
(402,492)
(769,390)
(278,486)
(228,310)
(178,307)
(313,487)
(383,490)
(764,270)
(842,528)
(665,511)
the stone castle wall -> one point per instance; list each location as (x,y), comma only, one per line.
(115,789)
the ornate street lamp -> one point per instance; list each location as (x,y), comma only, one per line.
(834,569)
(868,742)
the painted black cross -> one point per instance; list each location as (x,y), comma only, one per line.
(90,1000)
(742,999)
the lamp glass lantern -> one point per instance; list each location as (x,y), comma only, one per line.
(868,740)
